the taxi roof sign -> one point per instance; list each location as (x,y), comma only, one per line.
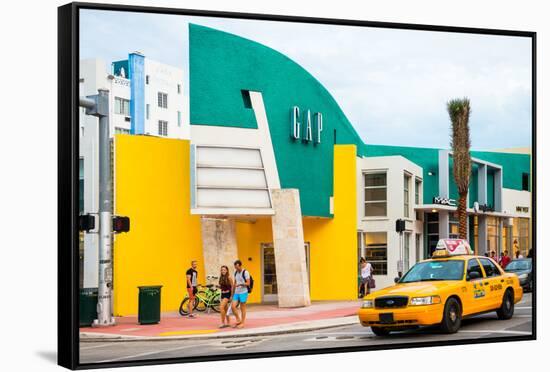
(452,247)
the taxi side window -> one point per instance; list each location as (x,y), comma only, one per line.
(489,267)
(473,266)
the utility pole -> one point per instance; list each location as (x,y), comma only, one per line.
(98,105)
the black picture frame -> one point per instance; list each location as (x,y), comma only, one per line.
(68,157)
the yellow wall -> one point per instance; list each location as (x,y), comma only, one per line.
(152,188)
(250,235)
(333,241)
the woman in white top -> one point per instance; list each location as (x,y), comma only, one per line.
(366,274)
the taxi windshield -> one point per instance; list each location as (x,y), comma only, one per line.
(435,270)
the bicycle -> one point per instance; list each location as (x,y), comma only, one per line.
(205,299)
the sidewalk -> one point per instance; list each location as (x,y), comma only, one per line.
(260,320)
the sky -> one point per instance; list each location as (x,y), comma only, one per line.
(392,84)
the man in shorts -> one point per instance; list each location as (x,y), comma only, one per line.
(240,293)
(191,275)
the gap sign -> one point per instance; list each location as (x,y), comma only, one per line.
(301,125)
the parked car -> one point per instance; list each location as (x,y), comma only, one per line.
(523,268)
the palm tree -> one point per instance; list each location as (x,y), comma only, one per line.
(459,112)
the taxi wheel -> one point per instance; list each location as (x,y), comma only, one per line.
(380,331)
(506,310)
(452,316)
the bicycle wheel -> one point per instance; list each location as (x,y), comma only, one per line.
(184,306)
(215,304)
(200,303)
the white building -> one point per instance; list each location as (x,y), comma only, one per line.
(389,188)
(147,98)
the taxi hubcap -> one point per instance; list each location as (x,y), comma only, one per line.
(452,315)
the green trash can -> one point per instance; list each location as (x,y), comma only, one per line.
(149,304)
(87,306)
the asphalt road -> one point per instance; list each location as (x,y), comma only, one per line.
(482,326)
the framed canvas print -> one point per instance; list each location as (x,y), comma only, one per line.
(245,185)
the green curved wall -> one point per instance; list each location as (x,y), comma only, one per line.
(222,64)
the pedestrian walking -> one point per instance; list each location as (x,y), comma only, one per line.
(366,278)
(500,258)
(505,260)
(191,276)
(518,255)
(226,288)
(241,286)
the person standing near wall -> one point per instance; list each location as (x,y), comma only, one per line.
(240,293)
(366,277)
(191,276)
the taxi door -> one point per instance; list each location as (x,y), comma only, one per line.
(474,293)
(494,283)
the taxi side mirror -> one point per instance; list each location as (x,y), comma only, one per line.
(473,275)
(396,279)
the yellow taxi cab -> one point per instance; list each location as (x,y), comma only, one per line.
(452,285)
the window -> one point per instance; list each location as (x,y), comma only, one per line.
(147,108)
(525,181)
(375,194)
(406,186)
(179,118)
(122,106)
(162,100)
(246,99)
(146,79)
(119,130)
(453,225)
(376,251)
(473,266)
(432,227)
(179,89)
(493,235)
(417,247)
(406,251)
(163,128)
(489,267)
(520,236)
(417,191)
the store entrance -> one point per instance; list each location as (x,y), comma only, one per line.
(269,274)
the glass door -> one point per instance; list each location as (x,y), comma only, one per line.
(269,273)
(269,286)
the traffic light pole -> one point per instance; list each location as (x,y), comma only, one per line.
(98,105)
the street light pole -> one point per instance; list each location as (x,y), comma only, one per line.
(98,105)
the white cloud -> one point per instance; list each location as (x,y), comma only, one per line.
(392,84)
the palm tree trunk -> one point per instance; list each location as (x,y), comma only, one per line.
(462,216)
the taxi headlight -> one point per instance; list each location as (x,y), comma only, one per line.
(428,300)
(367,304)
(523,276)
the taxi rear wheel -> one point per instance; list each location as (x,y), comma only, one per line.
(452,316)
(380,331)
(506,310)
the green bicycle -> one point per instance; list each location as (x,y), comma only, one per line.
(205,299)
